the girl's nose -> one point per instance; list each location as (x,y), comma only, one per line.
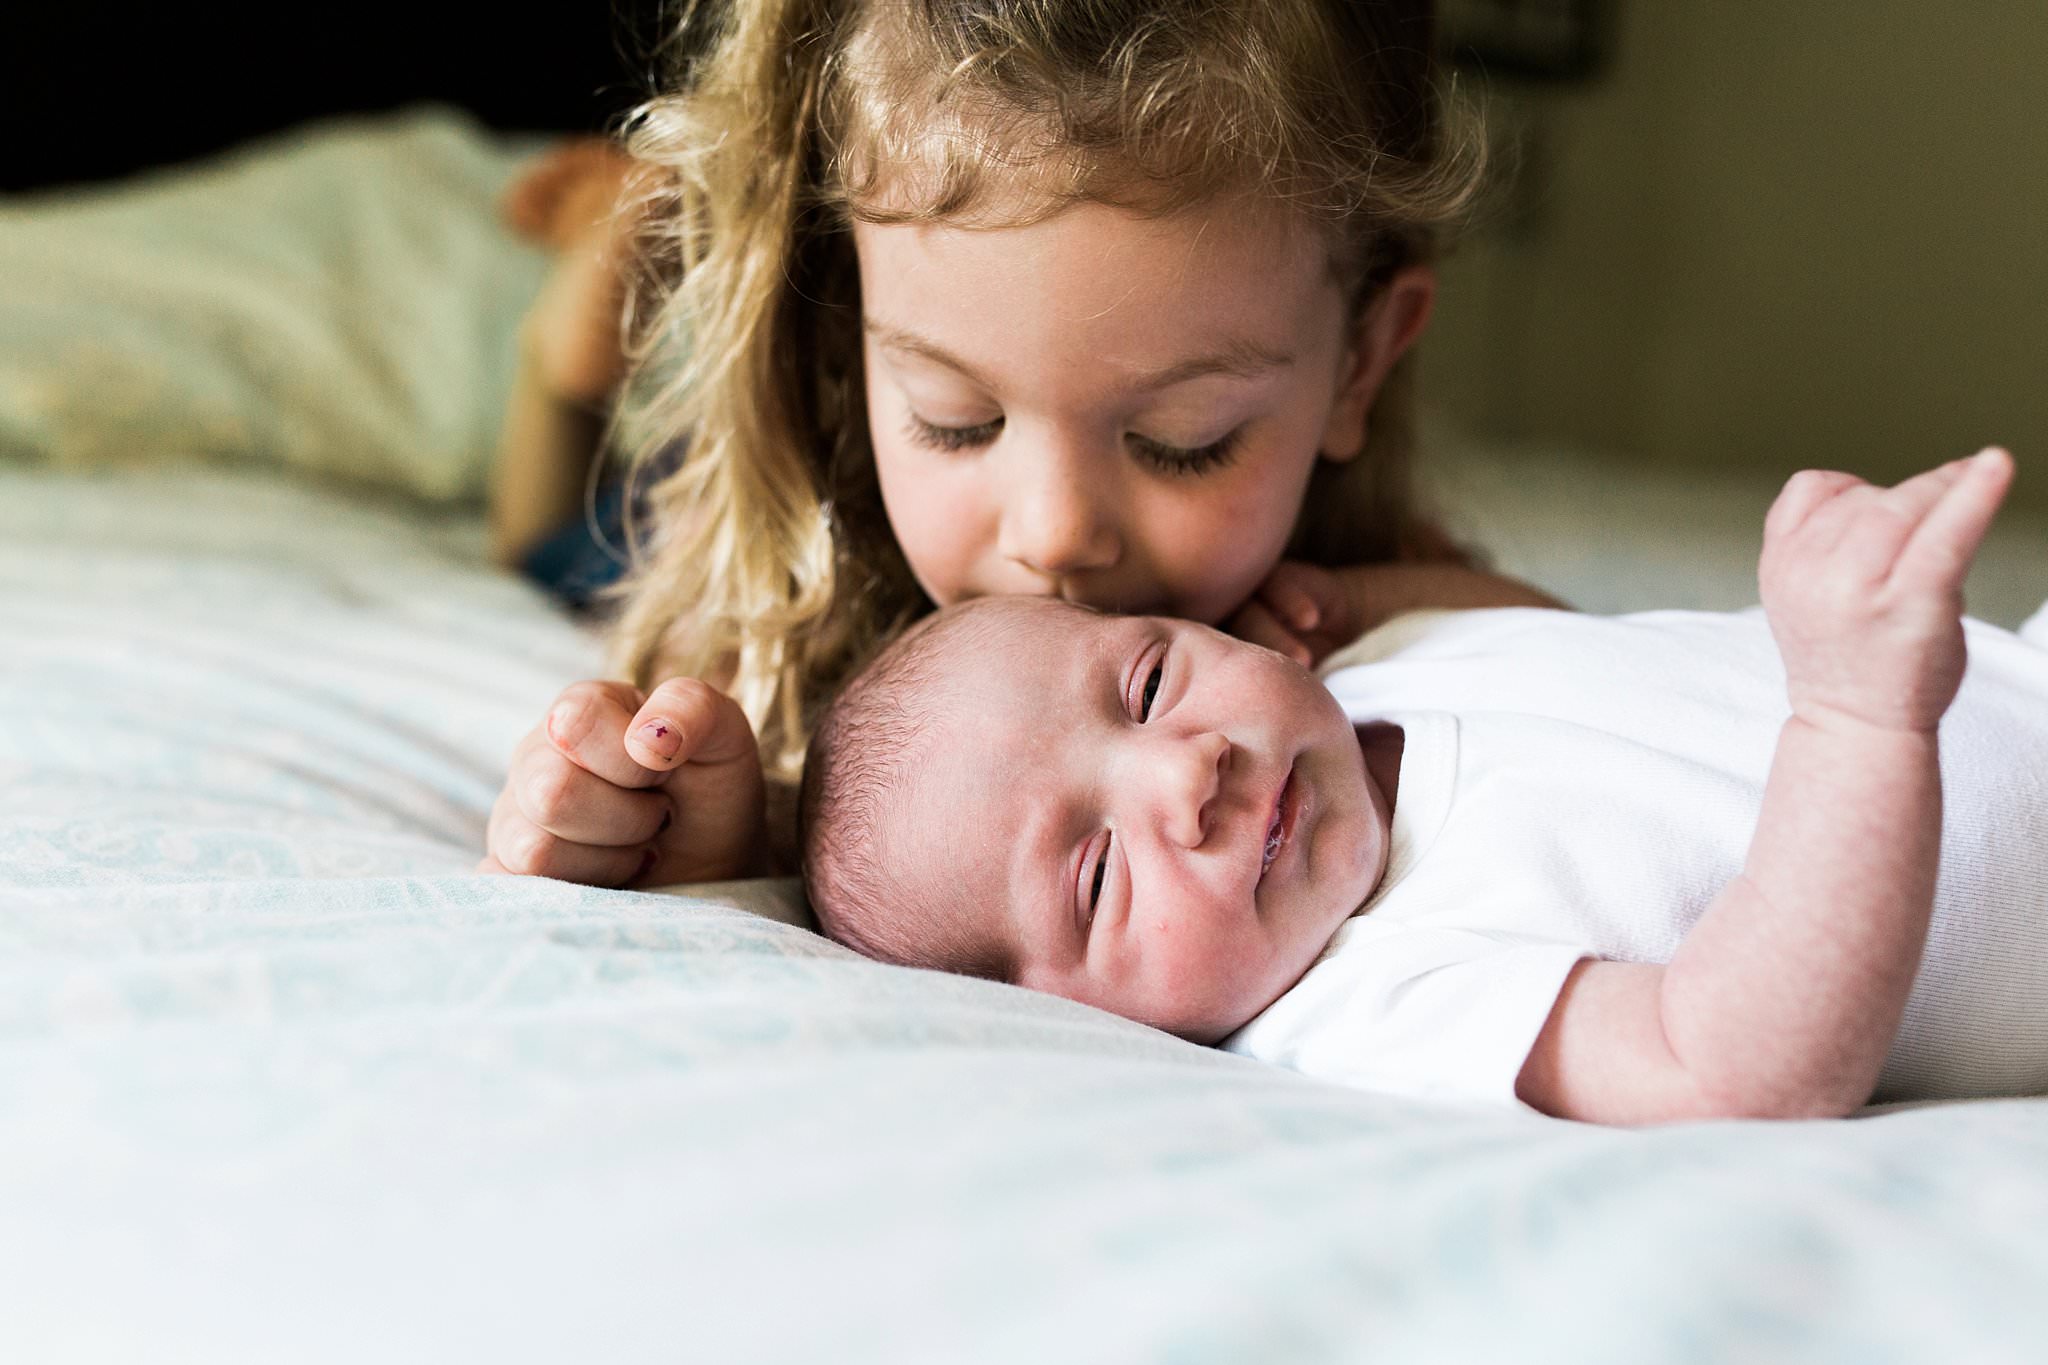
(1186,782)
(1056,520)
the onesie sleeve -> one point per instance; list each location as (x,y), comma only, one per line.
(1440,1014)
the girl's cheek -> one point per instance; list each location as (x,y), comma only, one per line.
(1221,564)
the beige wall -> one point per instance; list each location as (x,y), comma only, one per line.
(1775,234)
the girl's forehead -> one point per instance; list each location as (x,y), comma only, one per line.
(1232,218)
(1252,272)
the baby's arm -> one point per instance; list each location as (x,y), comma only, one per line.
(1785,998)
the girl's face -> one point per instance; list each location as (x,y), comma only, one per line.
(1115,409)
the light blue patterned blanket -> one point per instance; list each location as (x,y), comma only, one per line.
(279,1080)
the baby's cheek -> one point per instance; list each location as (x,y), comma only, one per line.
(1197,964)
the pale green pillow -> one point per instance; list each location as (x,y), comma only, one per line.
(340,300)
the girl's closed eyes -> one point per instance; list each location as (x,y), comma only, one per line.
(1161,456)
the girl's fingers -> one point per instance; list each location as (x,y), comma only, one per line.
(1294,592)
(520,847)
(1257,625)
(687,720)
(1291,600)
(1946,540)
(588,725)
(557,795)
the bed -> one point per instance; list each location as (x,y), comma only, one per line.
(281,1080)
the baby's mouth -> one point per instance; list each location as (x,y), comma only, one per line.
(1280,827)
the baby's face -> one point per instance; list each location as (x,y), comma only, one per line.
(1165,822)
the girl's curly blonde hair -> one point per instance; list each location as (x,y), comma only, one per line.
(773,568)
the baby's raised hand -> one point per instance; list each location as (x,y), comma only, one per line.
(617,789)
(1863,587)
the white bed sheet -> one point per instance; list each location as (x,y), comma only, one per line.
(279,1080)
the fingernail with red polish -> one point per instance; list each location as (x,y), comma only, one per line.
(661,737)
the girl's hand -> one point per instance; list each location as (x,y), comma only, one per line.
(1863,588)
(1308,613)
(1302,611)
(617,789)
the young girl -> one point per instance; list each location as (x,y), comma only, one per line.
(1106,301)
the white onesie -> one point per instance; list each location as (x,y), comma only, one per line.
(1577,786)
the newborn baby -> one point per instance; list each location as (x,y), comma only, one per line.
(1595,865)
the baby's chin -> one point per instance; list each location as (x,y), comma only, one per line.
(1234,1007)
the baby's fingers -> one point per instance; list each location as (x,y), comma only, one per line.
(1945,541)
(687,720)
(1803,493)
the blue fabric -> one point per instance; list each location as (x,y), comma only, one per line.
(587,556)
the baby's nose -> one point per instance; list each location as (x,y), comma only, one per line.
(1191,786)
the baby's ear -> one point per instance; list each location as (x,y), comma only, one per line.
(1382,335)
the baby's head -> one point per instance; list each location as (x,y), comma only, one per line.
(1138,813)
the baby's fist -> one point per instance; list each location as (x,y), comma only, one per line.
(1863,588)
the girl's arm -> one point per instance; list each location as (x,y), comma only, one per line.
(1308,612)
(1380,592)
(1433,571)
(1785,998)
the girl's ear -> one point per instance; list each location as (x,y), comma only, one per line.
(1388,328)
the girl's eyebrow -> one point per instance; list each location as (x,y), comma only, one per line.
(1240,358)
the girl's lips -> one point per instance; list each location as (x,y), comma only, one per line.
(1280,828)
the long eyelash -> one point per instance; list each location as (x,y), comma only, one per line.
(1174,461)
(1155,678)
(953,438)
(1178,462)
